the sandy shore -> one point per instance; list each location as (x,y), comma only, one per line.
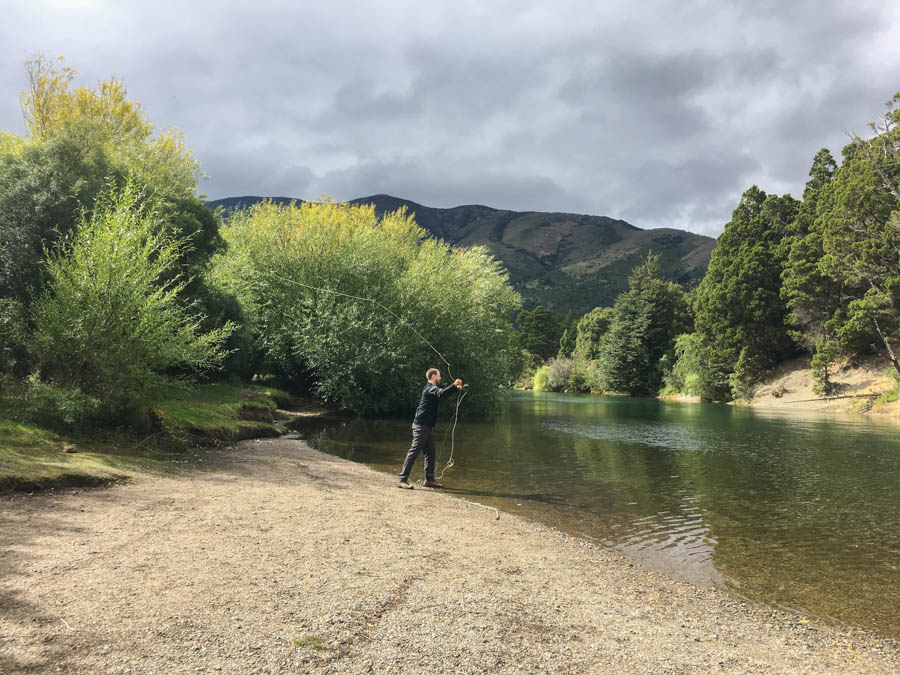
(222,570)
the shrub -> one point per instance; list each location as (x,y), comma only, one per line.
(13,334)
(559,373)
(542,379)
(693,372)
(355,307)
(109,323)
(60,408)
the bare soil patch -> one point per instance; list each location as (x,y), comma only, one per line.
(277,558)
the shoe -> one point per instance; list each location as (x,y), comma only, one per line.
(432,484)
(404,483)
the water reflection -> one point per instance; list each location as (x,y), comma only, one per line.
(796,509)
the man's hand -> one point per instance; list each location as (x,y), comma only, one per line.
(458,383)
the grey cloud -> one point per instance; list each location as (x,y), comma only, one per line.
(430,183)
(657,113)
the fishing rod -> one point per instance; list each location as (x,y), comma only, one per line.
(452,429)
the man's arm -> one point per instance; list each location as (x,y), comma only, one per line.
(456,386)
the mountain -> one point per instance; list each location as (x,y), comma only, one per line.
(559,260)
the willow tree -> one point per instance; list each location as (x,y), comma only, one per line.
(357,308)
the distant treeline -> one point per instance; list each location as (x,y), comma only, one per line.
(116,280)
(820,275)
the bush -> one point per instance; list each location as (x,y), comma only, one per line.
(693,372)
(356,307)
(560,372)
(60,408)
(542,379)
(587,376)
(110,322)
(13,334)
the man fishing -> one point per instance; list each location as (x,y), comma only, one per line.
(423,428)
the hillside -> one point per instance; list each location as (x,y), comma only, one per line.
(559,260)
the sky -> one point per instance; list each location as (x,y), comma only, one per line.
(658,113)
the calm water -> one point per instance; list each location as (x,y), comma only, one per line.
(799,510)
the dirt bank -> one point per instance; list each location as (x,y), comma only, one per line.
(857,386)
(225,568)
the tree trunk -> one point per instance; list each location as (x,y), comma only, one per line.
(887,345)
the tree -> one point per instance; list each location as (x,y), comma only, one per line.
(858,219)
(104,118)
(590,331)
(109,322)
(541,331)
(738,305)
(694,373)
(42,189)
(356,307)
(646,319)
(566,344)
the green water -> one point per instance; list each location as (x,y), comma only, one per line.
(798,510)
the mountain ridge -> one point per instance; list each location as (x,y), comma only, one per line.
(559,260)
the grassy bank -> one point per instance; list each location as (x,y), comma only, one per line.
(33,457)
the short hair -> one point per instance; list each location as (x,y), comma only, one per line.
(431,372)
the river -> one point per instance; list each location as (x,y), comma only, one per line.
(800,510)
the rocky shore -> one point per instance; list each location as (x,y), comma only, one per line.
(277,558)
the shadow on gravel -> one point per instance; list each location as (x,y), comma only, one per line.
(24,519)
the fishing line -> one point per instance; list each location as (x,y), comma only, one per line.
(374,301)
(459,399)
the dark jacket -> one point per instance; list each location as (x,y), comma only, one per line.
(426,413)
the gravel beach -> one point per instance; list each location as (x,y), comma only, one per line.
(277,558)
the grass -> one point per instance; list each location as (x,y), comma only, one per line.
(33,457)
(310,641)
(218,412)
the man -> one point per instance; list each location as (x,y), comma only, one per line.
(423,428)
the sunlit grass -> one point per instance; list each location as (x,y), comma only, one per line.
(32,457)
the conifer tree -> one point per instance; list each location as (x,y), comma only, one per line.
(738,303)
(646,319)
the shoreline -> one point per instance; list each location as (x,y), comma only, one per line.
(272,543)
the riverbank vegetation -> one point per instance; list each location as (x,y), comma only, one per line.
(127,306)
(818,276)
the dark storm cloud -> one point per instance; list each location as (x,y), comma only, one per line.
(657,112)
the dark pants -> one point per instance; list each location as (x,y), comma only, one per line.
(422,441)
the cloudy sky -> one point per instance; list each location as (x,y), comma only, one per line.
(660,113)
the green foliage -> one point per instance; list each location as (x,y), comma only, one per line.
(693,373)
(541,331)
(827,352)
(60,408)
(310,641)
(13,334)
(105,120)
(742,380)
(42,190)
(295,268)
(591,328)
(811,295)
(567,344)
(82,142)
(110,323)
(738,304)
(843,278)
(646,319)
(542,379)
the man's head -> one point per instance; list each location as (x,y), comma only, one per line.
(433,375)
